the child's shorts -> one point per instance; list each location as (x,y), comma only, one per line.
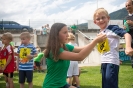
(73,69)
(10,75)
(25,75)
(37,64)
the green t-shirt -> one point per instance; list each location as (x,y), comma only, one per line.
(39,57)
(74,27)
(57,71)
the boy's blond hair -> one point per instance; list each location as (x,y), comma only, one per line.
(8,36)
(25,35)
(100,10)
(71,36)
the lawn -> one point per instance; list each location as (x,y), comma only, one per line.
(90,77)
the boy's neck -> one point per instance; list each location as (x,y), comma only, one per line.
(5,45)
(27,44)
(102,29)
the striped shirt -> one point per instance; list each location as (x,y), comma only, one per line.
(22,52)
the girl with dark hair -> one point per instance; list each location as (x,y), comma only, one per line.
(59,54)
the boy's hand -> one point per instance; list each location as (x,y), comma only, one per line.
(29,57)
(16,54)
(129,51)
(120,61)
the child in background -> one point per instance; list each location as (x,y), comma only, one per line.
(38,60)
(109,48)
(73,29)
(26,52)
(73,70)
(12,44)
(41,31)
(7,59)
(38,49)
(47,28)
(44,30)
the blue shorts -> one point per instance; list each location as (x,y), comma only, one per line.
(25,75)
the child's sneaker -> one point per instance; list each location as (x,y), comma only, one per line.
(7,85)
(42,71)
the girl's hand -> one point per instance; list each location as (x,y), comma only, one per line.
(101,37)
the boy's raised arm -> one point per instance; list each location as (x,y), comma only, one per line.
(128,49)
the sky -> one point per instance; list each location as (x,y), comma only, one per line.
(37,13)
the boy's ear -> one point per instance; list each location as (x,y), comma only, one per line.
(109,17)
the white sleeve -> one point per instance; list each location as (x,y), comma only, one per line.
(1,44)
(9,49)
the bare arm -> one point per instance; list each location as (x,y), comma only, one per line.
(128,40)
(66,55)
(78,49)
(17,63)
(31,56)
(42,59)
(8,61)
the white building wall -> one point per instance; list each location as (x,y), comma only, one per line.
(94,56)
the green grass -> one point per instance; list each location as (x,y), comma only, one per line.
(90,77)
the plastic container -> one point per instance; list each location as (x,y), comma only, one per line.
(126,25)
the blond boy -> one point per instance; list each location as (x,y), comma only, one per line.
(109,48)
(73,70)
(26,53)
